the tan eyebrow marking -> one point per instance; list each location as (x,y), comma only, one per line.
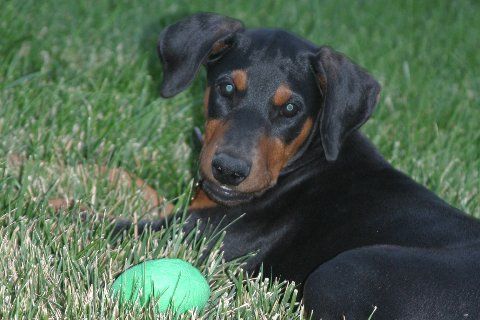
(240,79)
(282,95)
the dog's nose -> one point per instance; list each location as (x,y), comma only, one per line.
(229,170)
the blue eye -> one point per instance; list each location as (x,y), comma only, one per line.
(227,89)
(289,110)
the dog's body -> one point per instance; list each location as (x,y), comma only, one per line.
(285,167)
(359,234)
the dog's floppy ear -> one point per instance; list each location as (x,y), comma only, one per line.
(349,96)
(185,45)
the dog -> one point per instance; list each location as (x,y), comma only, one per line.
(286,171)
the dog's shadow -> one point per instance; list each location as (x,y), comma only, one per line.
(148,45)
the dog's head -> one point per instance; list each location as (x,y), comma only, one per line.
(267,91)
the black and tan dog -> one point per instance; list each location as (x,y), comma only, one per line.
(318,203)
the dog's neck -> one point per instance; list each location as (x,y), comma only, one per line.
(358,154)
(299,186)
(353,150)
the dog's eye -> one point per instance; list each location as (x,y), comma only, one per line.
(289,110)
(227,89)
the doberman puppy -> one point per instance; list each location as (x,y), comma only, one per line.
(284,166)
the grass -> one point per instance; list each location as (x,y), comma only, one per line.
(79,85)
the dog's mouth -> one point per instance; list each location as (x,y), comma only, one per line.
(224,195)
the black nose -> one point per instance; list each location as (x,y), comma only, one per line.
(229,170)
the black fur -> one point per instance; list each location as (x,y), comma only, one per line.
(339,221)
(350,97)
(185,45)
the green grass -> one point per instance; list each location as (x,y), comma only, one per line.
(79,84)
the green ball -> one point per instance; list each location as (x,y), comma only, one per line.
(173,284)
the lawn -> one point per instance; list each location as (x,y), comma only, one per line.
(79,89)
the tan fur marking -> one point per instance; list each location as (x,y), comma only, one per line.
(210,127)
(201,201)
(279,153)
(240,79)
(282,95)
(293,147)
(206,99)
(322,82)
(214,131)
(276,158)
(217,47)
(259,177)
